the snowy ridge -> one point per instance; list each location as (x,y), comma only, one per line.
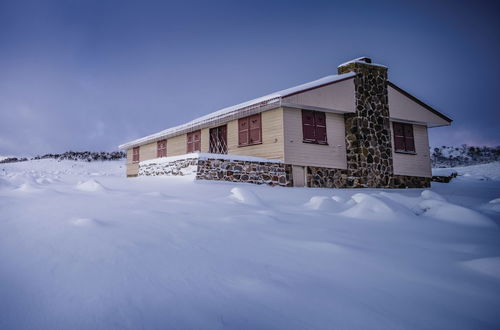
(79,240)
(464,155)
(88,156)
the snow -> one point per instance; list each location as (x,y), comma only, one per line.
(443,171)
(205,156)
(89,185)
(166,252)
(360,60)
(273,98)
(245,196)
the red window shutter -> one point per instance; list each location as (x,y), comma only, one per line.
(255,129)
(189,143)
(135,154)
(409,144)
(409,140)
(320,122)
(197,141)
(308,126)
(399,137)
(193,141)
(161,148)
(243,131)
(408,130)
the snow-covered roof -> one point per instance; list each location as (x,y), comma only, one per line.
(257,105)
(363,60)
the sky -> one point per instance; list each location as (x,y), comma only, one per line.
(90,75)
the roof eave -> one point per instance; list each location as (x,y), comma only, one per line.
(426,106)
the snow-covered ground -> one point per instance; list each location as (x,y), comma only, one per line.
(82,247)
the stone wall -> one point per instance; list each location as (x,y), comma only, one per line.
(178,167)
(368,132)
(270,173)
(274,174)
(403,181)
(321,177)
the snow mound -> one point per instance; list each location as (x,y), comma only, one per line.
(369,207)
(405,201)
(427,194)
(245,196)
(453,213)
(339,199)
(27,188)
(44,180)
(85,222)
(4,184)
(493,205)
(322,203)
(90,185)
(488,266)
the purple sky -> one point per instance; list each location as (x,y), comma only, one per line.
(89,75)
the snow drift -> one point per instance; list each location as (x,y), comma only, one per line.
(82,247)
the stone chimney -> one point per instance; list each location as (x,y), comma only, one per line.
(368,131)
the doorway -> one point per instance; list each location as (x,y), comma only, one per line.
(299,176)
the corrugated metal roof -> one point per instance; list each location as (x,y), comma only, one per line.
(264,102)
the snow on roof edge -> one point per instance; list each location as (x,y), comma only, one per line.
(205,156)
(267,99)
(358,60)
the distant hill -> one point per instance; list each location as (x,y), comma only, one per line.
(463,156)
(443,156)
(88,156)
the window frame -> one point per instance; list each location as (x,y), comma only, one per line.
(136,154)
(247,132)
(193,143)
(220,133)
(404,138)
(315,127)
(161,148)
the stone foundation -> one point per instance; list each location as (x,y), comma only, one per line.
(274,174)
(233,170)
(321,177)
(403,181)
(270,173)
(178,167)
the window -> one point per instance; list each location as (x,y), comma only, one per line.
(249,130)
(161,148)
(218,140)
(403,137)
(314,127)
(194,142)
(135,154)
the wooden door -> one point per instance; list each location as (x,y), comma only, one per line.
(299,176)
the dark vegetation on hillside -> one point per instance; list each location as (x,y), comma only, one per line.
(441,156)
(88,156)
(463,156)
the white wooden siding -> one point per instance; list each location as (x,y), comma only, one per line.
(297,152)
(272,137)
(405,109)
(337,96)
(418,164)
